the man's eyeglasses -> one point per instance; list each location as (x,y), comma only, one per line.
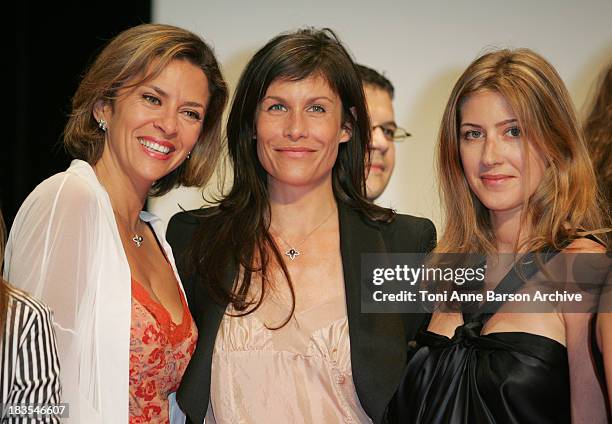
(392,133)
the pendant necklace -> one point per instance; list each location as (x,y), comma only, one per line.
(292,252)
(137,239)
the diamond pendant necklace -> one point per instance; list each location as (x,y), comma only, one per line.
(293,252)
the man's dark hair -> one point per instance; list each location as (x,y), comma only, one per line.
(371,77)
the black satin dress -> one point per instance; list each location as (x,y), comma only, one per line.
(471,378)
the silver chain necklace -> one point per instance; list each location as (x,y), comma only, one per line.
(137,239)
(293,252)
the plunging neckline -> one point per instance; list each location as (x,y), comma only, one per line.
(175,331)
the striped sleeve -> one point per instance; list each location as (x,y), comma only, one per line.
(28,355)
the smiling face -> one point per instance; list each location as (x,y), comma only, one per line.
(153,127)
(501,166)
(299,128)
(382,155)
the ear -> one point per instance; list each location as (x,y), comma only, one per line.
(346,132)
(102,110)
(347,128)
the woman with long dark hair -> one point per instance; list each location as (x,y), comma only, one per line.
(518,188)
(273,271)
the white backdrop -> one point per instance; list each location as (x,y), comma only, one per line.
(421,46)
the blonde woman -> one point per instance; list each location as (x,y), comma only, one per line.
(145,118)
(515,178)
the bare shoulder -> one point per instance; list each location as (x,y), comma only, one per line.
(585,245)
(580,268)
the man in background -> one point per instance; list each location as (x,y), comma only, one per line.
(379,96)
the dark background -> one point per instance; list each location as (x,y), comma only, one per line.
(55,41)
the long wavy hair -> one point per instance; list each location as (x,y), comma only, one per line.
(236,233)
(598,135)
(566,203)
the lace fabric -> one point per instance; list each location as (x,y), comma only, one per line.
(159,353)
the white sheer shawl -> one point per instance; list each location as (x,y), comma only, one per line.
(64,248)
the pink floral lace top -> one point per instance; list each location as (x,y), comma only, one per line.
(159,353)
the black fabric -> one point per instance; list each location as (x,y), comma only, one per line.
(512,377)
(379,342)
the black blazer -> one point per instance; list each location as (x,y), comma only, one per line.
(378,341)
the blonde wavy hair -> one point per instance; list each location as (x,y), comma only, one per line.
(566,204)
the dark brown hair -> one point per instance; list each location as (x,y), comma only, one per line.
(236,234)
(133,57)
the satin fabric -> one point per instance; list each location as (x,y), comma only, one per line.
(495,378)
(300,373)
(378,342)
(504,377)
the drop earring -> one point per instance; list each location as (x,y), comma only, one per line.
(189,155)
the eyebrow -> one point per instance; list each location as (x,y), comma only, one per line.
(388,123)
(313,99)
(164,94)
(499,124)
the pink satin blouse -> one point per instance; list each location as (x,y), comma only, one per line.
(300,373)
